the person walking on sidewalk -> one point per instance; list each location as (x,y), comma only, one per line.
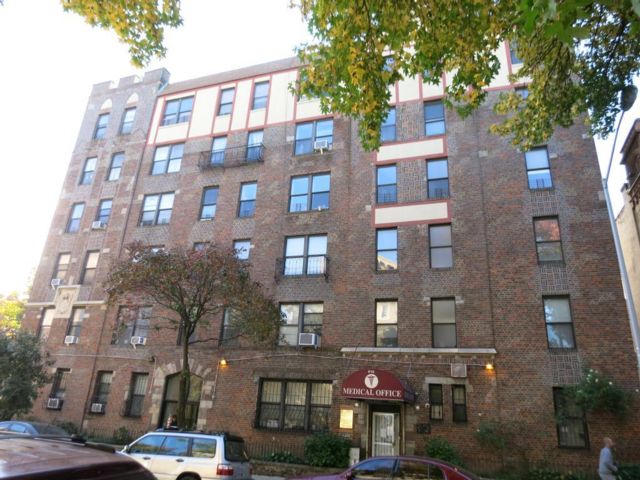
(606,467)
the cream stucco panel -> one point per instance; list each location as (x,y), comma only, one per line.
(308,109)
(241,105)
(408,89)
(180,95)
(421,148)
(257,117)
(172,133)
(431,90)
(502,78)
(221,124)
(156,120)
(392,92)
(203,111)
(281,100)
(427,212)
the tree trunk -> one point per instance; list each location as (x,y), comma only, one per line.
(185,377)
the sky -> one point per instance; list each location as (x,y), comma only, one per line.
(49,61)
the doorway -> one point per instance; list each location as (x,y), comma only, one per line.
(385,430)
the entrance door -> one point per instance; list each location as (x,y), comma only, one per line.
(384,434)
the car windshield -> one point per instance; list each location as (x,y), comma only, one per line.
(234,451)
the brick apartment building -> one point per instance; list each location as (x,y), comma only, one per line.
(404,274)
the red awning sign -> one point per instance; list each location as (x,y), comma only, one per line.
(374,384)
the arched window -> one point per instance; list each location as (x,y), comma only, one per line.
(170,399)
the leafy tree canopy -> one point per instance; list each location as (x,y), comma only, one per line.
(578,55)
(11,311)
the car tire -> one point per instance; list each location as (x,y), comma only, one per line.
(189,477)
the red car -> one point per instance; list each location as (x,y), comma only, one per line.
(405,468)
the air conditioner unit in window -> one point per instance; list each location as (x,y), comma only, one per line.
(308,339)
(97,408)
(98,225)
(320,145)
(459,370)
(54,403)
(56,282)
(70,340)
(135,341)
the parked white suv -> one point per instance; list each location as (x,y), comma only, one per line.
(172,454)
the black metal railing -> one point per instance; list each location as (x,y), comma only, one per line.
(231,157)
(311,266)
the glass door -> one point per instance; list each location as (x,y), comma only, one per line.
(384,434)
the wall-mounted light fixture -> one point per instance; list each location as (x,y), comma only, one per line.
(489,367)
(223,362)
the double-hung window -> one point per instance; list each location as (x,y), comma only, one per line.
(434,118)
(62,266)
(89,171)
(137,392)
(132,322)
(436,407)
(209,203)
(101,126)
(46,319)
(557,316)
(440,246)
(101,393)
(73,225)
(59,386)
(459,393)
(386,184)
(254,146)
(388,127)
(309,192)
(308,133)
(229,335)
(74,327)
(386,323)
(242,249)
(548,243)
(116,167)
(127,121)
(299,318)
(104,211)
(156,209)
(513,53)
(201,246)
(306,255)
(226,101)
(294,405)
(218,148)
(387,249)
(443,320)
(260,95)
(437,179)
(177,111)
(247,206)
(90,267)
(538,170)
(571,423)
(167,159)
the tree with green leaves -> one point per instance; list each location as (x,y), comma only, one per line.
(11,312)
(22,372)
(188,288)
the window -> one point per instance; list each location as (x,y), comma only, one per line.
(104,211)
(459,403)
(523,92)
(226,101)
(386,323)
(513,53)
(149,444)
(59,386)
(548,243)
(167,159)
(387,249)
(204,447)
(116,167)
(260,95)
(375,469)
(90,267)
(254,146)
(388,127)
(242,249)
(75,322)
(137,392)
(101,126)
(217,150)
(557,316)
(230,332)
(435,402)
(538,171)
(305,255)
(571,423)
(440,246)
(132,322)
(386,184)
(89,171)
(310,132)
(437,179)
(156,209)
(46,318)
(103,385)
(200,246)
(299,318)
(127,121)
(74,219)
(177,111)
(443,320)
(417,470)
(247,205)
(310,192)
(434,118)
(62,266)
(209,202)
(294,405)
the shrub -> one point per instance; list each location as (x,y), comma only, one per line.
(442,449)
(122,436)
(69,427)
(491,435)
(628,472)
(596,393)
(544,474)
(327,450)
(284,456)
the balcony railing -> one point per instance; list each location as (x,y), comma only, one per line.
(311,266)
(231,157)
